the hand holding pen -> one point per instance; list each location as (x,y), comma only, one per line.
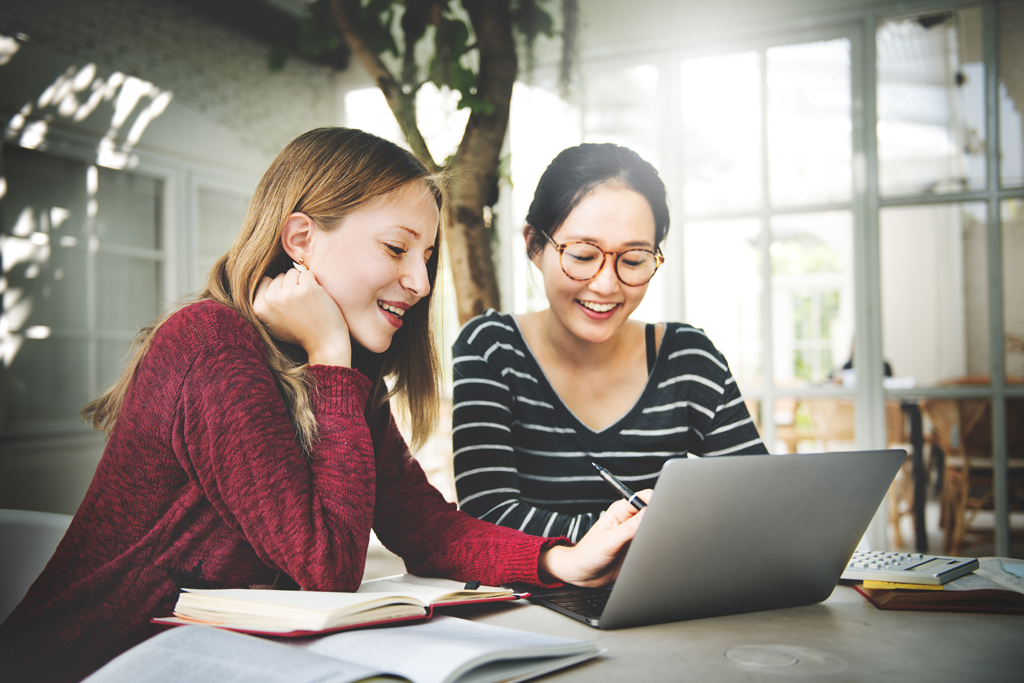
(623,490)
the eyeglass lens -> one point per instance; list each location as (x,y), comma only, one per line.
(582,261)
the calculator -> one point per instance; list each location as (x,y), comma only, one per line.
(934,570)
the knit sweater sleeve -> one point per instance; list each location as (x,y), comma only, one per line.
(413,520)
(484,409)
(311,516)
(306,516)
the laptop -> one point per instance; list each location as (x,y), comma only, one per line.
(727,535)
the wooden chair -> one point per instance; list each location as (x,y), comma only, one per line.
(962,428)
(833,424)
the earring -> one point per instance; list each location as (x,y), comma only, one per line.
(301,265)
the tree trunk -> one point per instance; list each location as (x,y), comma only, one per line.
(474,169)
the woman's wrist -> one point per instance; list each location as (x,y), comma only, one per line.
(555,564)
(337,353)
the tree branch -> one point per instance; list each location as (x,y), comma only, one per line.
(403,105)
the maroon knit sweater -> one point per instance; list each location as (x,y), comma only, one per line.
(202,485)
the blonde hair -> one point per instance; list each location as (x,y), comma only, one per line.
(327,174)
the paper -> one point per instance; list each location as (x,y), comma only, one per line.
(993,573)
(1015,567)
(445,648)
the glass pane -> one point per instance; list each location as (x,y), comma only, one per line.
(934,296)
(812,296)
(42,248)
(813,425)
(127,292)
(721,127)
(809,125)
(621,106)
(129,209)
(47,289)
(1013,286)
(45,194)
(931,96)
(46,378)
(960,431)
(1011,94)
(728,254)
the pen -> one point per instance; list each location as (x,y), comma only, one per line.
(630,497)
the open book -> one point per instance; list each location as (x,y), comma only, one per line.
(298,613)
(442,650)
(996,586)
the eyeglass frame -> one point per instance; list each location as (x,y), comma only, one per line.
(560,248)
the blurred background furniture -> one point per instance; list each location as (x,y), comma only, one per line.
(27,541)
(832,424)
(961,428)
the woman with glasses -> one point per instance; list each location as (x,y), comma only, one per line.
(539,397)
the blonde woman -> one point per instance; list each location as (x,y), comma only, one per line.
(251,440)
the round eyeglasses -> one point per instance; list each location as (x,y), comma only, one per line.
(583,261)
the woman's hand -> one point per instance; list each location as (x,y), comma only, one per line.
(297,310)
(596,559)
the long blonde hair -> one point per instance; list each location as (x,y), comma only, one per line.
(327,174)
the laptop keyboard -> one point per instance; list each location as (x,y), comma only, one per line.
(589,604)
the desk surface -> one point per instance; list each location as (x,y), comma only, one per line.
(844,638)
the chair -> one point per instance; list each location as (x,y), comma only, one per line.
(27,540)
(832,420)
(962,429)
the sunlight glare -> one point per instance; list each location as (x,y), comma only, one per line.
(34,135)
(8,48)
(366,109)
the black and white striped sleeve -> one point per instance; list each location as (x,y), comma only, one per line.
(728,428)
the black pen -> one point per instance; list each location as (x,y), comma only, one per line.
(630,497)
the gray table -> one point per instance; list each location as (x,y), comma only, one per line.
(844,638)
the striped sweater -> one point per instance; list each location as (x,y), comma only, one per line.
(522,458)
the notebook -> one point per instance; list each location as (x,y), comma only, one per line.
(726,535)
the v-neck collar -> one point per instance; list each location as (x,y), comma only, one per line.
(580,424)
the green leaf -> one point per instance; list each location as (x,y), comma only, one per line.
(461,78)
(530,20)
(475,104)
(317,36)
(375,21)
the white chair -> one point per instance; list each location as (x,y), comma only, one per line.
(27,541)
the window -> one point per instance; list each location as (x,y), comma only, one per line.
(847,181)
(83,264)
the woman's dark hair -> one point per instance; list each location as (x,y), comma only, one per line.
(578,171)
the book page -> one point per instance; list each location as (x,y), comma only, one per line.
(429,589)
(285,611)
(199,654)
(442,649)
(994,569)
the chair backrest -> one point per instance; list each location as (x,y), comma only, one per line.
(27,541)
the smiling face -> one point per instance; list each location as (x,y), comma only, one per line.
(374,264)
(614,218)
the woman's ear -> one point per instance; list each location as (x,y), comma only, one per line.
(297,236)
(528,232)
